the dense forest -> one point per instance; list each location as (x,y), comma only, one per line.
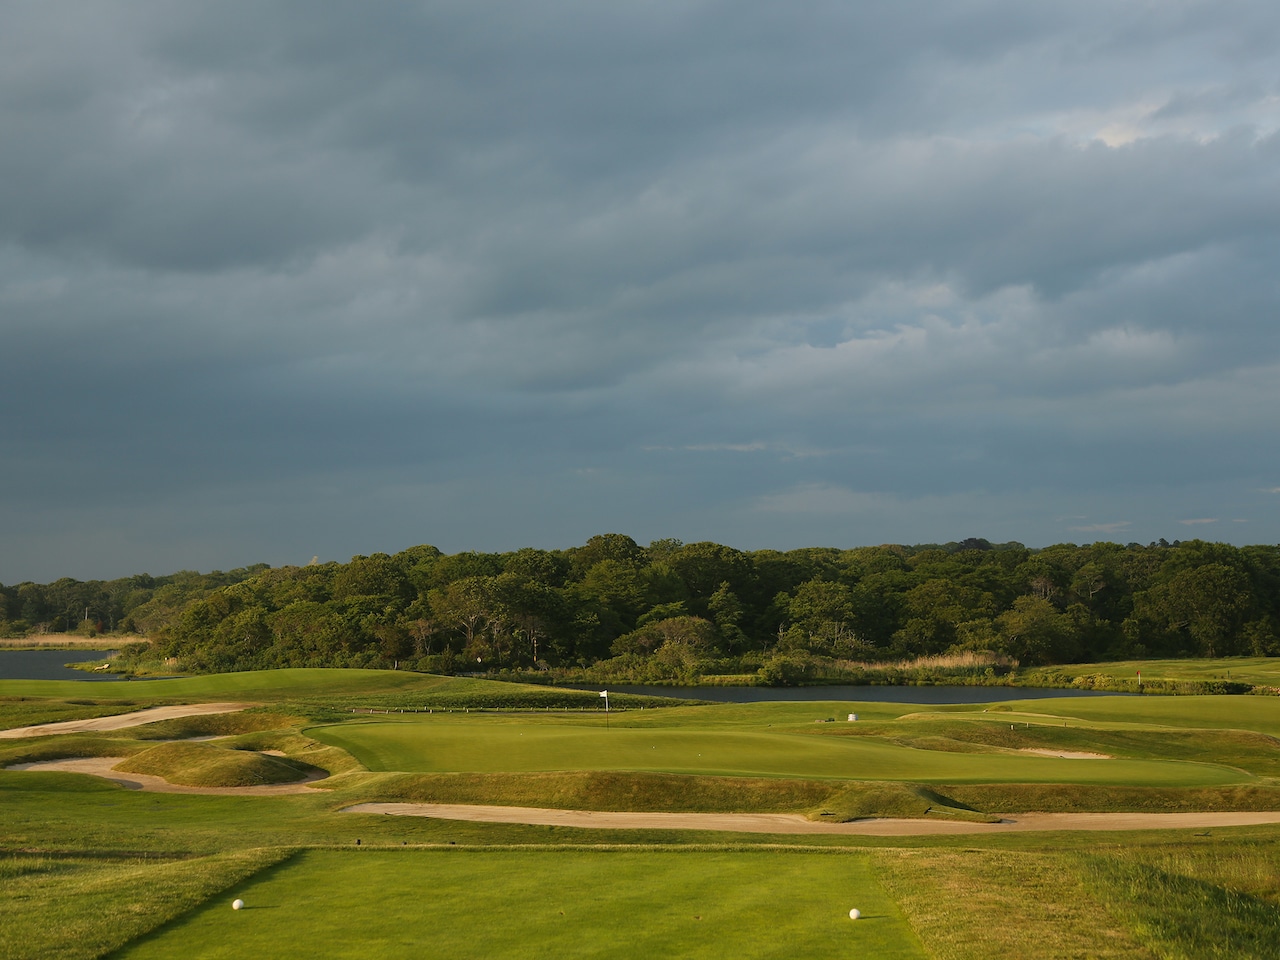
(675,611)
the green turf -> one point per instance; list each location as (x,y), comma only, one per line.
(479,744)
(86,865)
(1258,753)
(267,684)
(553,904)
(208,765)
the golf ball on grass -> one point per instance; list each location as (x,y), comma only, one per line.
(237,904)
(855,913)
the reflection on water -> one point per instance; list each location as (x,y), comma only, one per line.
(48,665)
(874,694)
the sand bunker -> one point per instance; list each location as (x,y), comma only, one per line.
(790,823)
(1066,754)
(122,720)
(104,767)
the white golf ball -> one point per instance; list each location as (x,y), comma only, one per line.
(237,904)
(855,913)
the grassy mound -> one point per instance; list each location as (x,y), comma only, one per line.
(206,765)
(608,790)
(860,801)
(217,724)
(600,790)
(300,749)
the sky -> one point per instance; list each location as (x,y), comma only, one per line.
(285,279)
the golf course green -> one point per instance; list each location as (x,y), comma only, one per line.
(481,744)
(91,868)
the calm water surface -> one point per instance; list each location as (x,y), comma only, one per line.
(48,665)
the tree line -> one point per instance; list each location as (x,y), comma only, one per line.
(673,610)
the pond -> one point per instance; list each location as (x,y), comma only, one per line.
(874,694)
(48,665)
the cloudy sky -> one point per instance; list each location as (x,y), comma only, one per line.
(293,279)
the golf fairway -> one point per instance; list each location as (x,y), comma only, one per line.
(405,905)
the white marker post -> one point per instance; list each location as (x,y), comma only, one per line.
(605,694)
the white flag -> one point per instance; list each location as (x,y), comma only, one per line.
(605,694)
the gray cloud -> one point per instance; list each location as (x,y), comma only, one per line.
(279,280)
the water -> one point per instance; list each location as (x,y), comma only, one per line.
(886,694)
(48,665)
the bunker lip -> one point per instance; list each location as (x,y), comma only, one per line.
(792,823)
(104,767)
(122,720)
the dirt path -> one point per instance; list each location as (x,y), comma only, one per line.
(122,720)
(103,767)
(795,824)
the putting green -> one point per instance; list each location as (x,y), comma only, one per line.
(546,903)
(488,745)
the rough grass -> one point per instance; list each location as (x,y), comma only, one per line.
(252,720)
(599,790)
(78,908)
(1193,903)
(1069,798)
(64,746)
(27,711)
(273,685)
(206,765)
(1003,905)
(606,790)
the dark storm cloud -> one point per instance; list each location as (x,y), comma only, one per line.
(279,279)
